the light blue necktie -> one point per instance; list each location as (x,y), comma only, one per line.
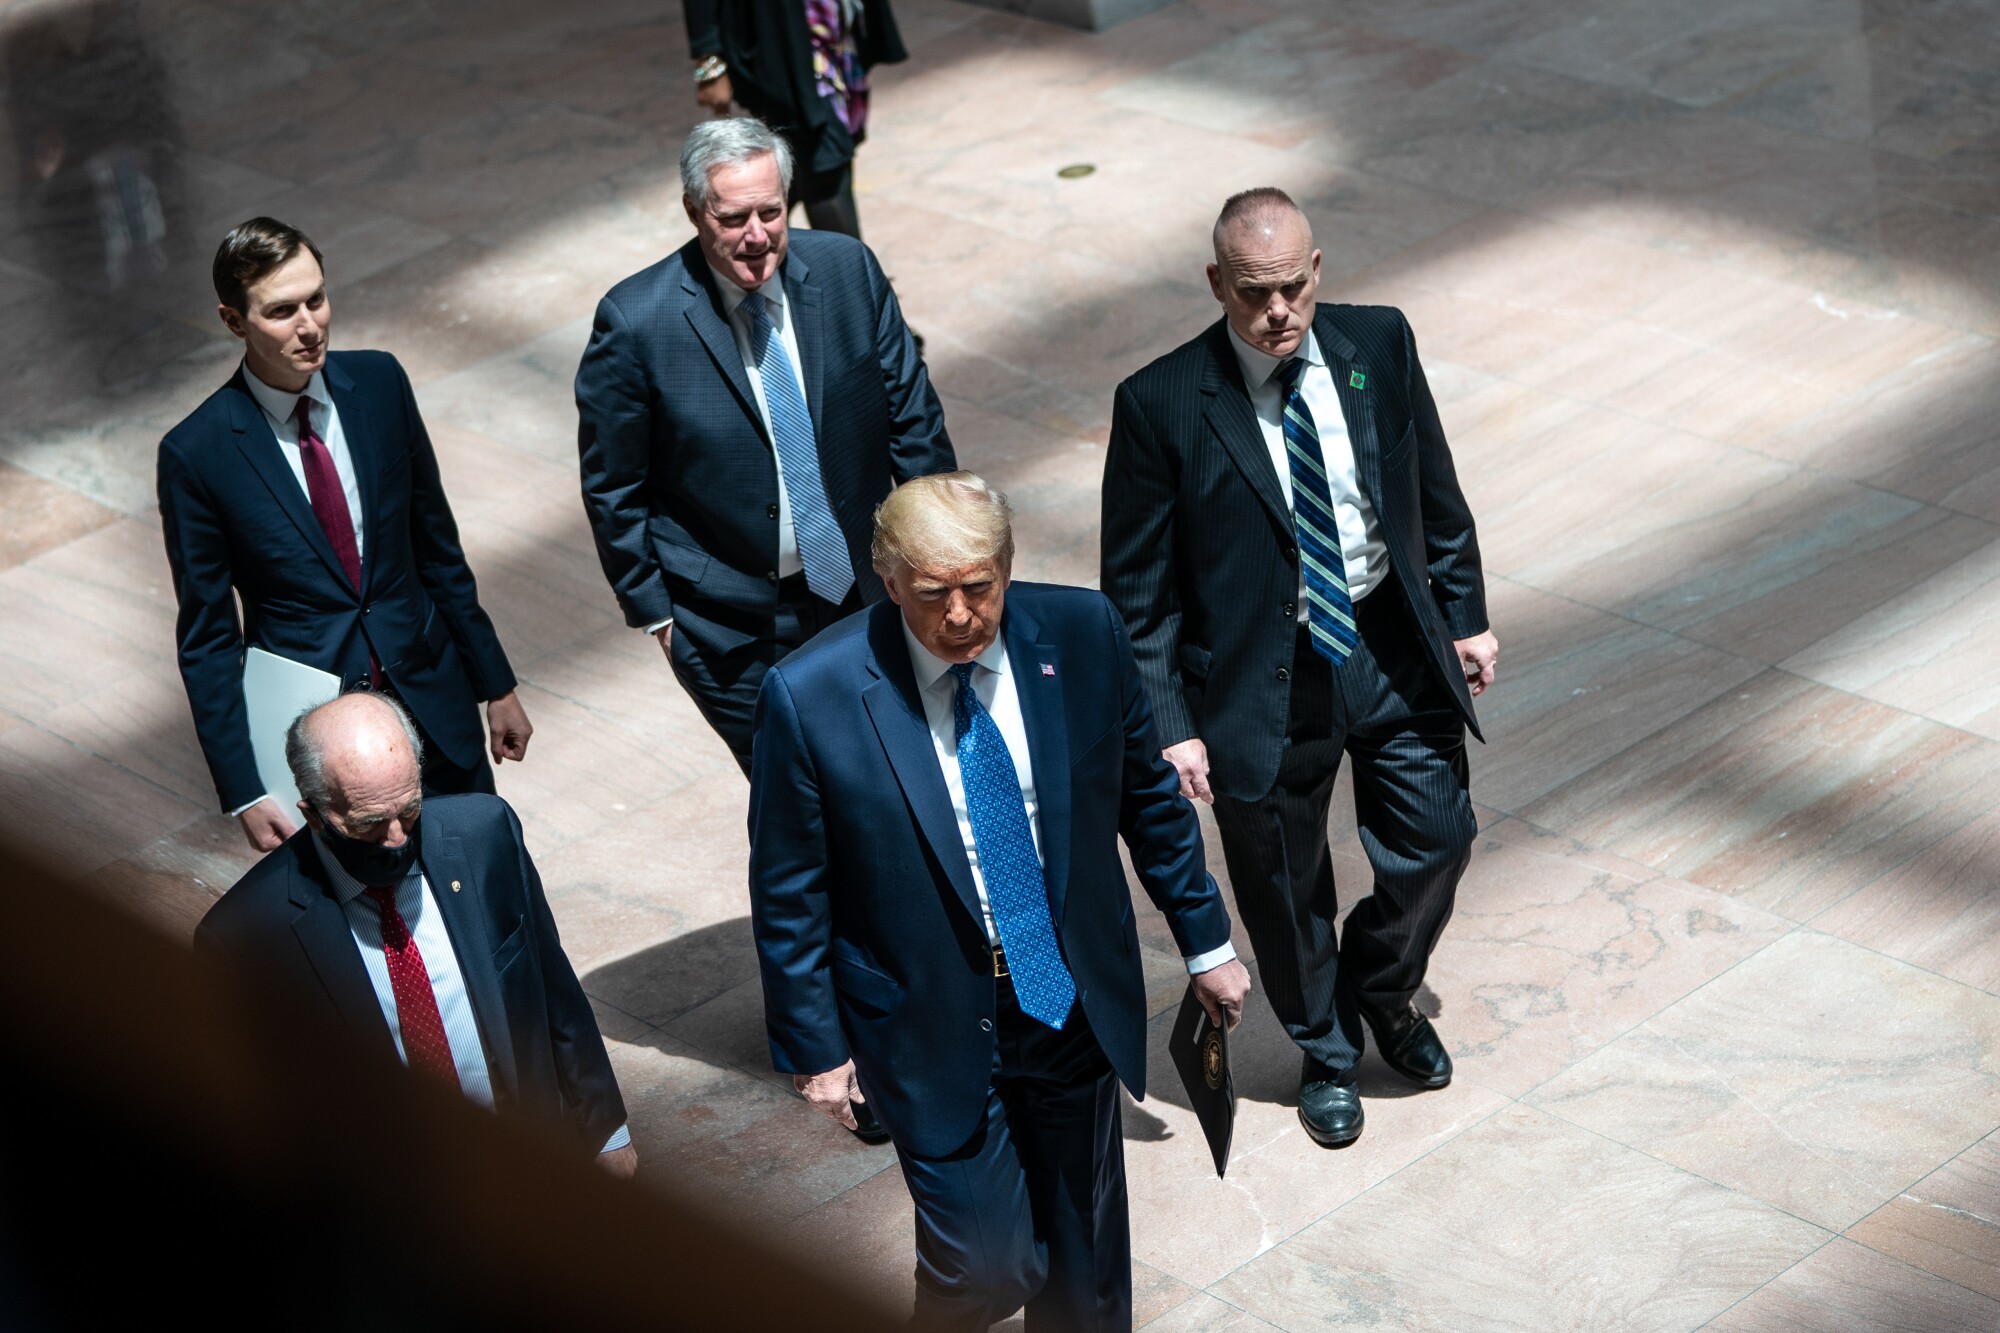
(1015,889)
(1329,610)
(822,547)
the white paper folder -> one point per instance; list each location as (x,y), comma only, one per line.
(276,690)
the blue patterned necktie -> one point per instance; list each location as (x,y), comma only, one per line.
(822,547)
(1329,610)
(1015,890)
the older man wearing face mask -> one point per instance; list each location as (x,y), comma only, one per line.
(421,925)
(744,404)
(1285,536)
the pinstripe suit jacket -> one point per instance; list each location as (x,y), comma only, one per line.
(678,472)
(1199,552)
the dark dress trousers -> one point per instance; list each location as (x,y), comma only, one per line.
(283,925)
(679,478)
(1200,555)
(238,524)
(870,941)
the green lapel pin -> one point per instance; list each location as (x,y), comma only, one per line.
(1357,380)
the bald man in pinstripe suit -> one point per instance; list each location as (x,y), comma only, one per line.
(1285,536)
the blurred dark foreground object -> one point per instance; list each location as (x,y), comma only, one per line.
(171,1149)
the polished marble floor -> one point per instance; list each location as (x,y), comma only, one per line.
(1710,295)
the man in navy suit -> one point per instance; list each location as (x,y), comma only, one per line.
(744,404)
(419,925)
(942,921)
(307,487)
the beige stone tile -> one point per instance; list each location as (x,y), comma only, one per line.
(1939,910)
(77,809)
(523,398)
(1279,1180)
(1846,1286)
(1565,1230)
(37,515)
(172,882)
(1817,1076)
(1577,686)
(1204,1314)
(1947,1223)
(1546,959)
(1925,651)
(1782,793)
(143,721)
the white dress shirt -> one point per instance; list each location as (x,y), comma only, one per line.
(420,914)
(780,311)
(1361,547)
(280,409)
(993,682)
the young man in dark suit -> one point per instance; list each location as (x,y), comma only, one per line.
(943,922)
(306,486)
(420,926)
(744,404)
(1285,536)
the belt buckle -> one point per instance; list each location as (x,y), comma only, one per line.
(999,961)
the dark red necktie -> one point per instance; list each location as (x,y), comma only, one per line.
(329,503)
(425,1046)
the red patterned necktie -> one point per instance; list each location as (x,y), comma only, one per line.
(424,1043)
(329,505)
(329,501)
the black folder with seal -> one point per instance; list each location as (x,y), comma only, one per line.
(1201,1054)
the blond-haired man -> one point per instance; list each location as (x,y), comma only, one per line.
(937,794)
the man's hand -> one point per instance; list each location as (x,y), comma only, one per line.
(831,1092)
(265,825)
(1190,760)
(1477,657)
(507,727)
(716,95)
(620,1162)
(666,638)
(1222,991)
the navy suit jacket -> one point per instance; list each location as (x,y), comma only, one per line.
(1201,557)
(282,925)
(237,523)
(867,921)
(678,472)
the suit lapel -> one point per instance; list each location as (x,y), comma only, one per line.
(1047,724)
(363,451)
(260,448)
(461,907)
(1356,402)
(323,932)
(905,733)
(704,315)
(1235,423)
(809,324)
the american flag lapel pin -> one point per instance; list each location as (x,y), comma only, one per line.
(1048,668)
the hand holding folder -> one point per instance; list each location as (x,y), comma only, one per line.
(1200,1052)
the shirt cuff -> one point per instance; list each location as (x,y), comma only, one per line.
(241,808)
(1214,958)
(620,1138)
(659,625)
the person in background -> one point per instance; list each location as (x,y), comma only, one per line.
(801,66)
(306,487)
(421,925)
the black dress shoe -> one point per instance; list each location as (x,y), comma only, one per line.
(866,1127)
(1330,1111)
(1410,1046)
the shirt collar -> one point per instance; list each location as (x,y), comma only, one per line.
(773,291)
(1258,367)
(279,405)
(931,668)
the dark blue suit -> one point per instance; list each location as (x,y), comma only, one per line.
(871,944)
(679,478)
(237,523)
(283,925)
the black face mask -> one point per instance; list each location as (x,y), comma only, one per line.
(373,864)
